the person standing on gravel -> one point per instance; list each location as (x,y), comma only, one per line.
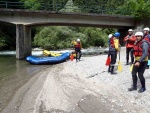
(113,48)
(110,44)
(78,47)
(129,42)
(141,58)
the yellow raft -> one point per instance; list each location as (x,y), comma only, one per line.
(48,53)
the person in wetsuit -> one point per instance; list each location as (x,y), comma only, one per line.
(141,47)
(78,47)
(113,48)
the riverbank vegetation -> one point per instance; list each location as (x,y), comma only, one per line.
(59,37)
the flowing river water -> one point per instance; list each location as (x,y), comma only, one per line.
(13,74)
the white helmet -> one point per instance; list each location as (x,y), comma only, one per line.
(130,30)
(138,34)
(110,35)
(78,40)
(146,29)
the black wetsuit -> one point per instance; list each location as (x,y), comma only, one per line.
(113,54)
(78,51)
(140,70)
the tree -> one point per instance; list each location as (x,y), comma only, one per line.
(60,37)
(51,5)
(98,6)
(140,9)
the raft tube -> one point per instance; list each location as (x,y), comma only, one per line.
(48,60)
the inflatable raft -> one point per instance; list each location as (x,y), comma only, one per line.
(48,60)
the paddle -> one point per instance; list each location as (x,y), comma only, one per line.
(131,67)
(119,63)
(108,61)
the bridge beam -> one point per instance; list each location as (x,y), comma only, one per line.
(23,41)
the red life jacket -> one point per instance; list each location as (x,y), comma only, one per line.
(130,41)
(138,50)
(112,42)
(78,45)
(146,38)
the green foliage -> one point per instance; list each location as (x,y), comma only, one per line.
(53,38)
(7,36)
(51,5)
(140,9)
(98,6)
(60,37)
(3,40)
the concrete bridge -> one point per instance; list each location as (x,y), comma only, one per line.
(26,19)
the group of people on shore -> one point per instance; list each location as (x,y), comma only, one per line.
(137,46)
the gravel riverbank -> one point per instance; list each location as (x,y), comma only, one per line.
(82,87)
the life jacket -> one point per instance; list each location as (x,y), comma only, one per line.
(146,37)
(78,45)
(111,42)
(130,41)
(138,49)
(116,43)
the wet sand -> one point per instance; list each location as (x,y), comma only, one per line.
(56,90)
(82,87)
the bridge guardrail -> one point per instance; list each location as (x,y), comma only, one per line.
(98,9)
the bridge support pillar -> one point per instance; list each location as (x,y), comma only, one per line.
(23,41)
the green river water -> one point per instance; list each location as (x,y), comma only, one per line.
(13,74)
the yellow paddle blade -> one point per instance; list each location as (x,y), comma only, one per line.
(119,66)
(131,67)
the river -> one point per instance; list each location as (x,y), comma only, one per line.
(14,73)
